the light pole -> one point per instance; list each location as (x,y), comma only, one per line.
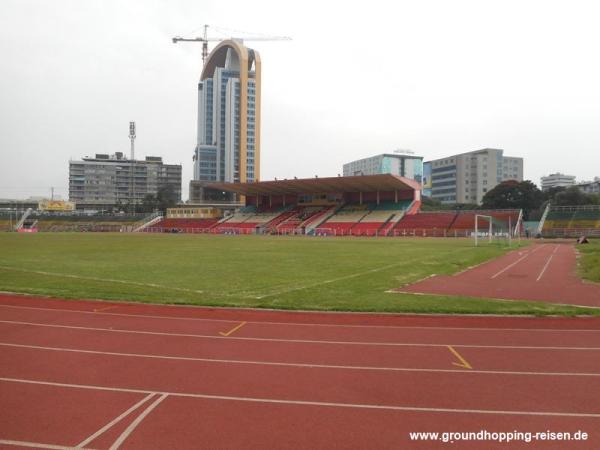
(131,177)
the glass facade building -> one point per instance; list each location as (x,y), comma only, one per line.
(228,143)
(404,165)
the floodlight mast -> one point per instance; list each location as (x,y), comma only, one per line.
(131,177)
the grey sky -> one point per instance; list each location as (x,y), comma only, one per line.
(358,79)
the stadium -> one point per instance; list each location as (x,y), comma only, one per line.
(321,313)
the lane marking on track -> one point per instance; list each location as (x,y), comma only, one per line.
(297,341)
(510,265)
(106,308)
(547,264)
(116,420)
(300,324)
(463,362)
(307,402)
(34,445)
(298,365)
(233,330)
(133,425)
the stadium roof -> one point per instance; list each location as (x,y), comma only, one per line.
(359,183)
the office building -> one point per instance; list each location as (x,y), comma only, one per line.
(590,187)
(228,143)
(557,180)
(404,164)
(467,177)
(106,181)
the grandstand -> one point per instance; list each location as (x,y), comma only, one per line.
(357,205)
(572,221)
(459,223)
(375,205)
(34,221)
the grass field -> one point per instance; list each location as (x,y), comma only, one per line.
(250,271)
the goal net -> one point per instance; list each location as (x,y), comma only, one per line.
(489,229)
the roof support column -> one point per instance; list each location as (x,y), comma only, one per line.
(360,197)
(270,201)
(377,198)
(257,197)
(396,195)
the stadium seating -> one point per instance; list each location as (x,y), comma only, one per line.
(183,225)
(424,224)
(367,219)
(572,221)
(301,216)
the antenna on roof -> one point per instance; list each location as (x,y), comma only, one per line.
(404,151)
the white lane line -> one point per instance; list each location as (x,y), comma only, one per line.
(306,402)
(297,341)
(546,265)
(295,365)
(107,280)
(114,421)
(510,265)
(298,324)
(34,445)
(133,425)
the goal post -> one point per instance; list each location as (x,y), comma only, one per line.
(490,219)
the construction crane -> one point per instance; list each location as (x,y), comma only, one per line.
(205,40)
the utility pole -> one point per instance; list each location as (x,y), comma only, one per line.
(131,177)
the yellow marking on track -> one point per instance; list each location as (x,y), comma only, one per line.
(463,362)
(106,308)
(233,330)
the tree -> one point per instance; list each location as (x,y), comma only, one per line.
(512,194)
(574,196)
(149,203)
(166,198)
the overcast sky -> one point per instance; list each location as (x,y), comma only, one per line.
(358,79)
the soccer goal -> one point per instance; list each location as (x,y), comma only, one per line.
(493,229)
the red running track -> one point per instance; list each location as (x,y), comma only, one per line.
(542,272)
(108,375)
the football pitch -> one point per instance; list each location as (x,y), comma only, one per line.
(336,274)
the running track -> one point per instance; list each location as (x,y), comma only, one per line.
(543,272)
(116,375)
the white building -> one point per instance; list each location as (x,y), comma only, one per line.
(467,177)
(557,180)
(106,181)
(590,187)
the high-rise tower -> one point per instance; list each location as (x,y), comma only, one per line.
(228,144)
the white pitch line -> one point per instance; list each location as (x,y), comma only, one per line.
(114,422)
(296,365)
(107,280)
(133,425)
(546,265)
(333,280)
(34,445)
(298,324)
(308,403)
(298,341)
